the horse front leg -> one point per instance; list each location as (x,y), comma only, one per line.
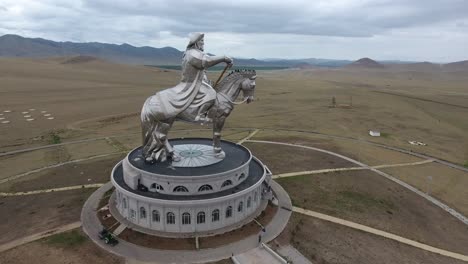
(164,149)
(169,149)
(218,125)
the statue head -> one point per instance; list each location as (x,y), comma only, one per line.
(197,41)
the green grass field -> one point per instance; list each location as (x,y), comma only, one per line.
(67,239)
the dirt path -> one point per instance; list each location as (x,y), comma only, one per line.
(412,153)
(69,188)
(299,173)
(431,199)
(31,238)
(400,239)
(249,136)
(380,233)
(57,165)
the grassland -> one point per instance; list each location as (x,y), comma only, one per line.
(68,239)
(324,242)
(428,107)
(99,100)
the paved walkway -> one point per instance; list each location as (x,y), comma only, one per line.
(61,189)
(31,238)
(92,226)
(293,255)
(119,229)
(431,199)
(257,255)
(380,233)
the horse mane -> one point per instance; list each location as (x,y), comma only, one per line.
(235,75)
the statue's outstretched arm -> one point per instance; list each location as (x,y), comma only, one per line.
(209,61)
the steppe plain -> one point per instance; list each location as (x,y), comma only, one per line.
(95,105)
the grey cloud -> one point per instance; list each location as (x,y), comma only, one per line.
(297,17)
(327,24)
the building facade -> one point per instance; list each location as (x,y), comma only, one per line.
(191,199)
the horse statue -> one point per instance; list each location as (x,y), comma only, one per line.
(156,121)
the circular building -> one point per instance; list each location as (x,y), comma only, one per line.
(200,194)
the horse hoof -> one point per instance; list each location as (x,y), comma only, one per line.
(220,155)
(175,158)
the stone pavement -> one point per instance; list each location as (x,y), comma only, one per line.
(91,226)
(257,256)
(293,255)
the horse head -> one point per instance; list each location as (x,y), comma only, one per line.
(239,80)
(248,86)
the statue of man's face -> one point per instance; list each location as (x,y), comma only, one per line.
(201,44)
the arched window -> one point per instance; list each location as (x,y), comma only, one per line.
(229,211)
(170,218)
(124,201)
(156,217)
(205,187)
(226,183)
(242,176)
(240,207)
(201,218)
(186,219)
(157,187)
(215,215)
(132,214)
(142,213)
(249,202)
(180,189)
(255,196)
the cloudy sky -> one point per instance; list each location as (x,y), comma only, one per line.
(420,30)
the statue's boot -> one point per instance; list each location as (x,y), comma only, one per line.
(203,114)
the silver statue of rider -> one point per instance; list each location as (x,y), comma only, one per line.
(194,65)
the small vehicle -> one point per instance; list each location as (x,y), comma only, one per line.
(108,238)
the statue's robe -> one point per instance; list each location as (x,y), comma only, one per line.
(192,92)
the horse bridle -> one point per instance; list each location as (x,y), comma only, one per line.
(235,103)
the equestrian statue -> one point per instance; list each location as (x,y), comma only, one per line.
(193,100)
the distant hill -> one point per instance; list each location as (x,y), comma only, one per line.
(456,66)
(17,46)
(418,67)
(365,63)
(304,66)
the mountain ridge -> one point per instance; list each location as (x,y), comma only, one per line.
(17,46)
